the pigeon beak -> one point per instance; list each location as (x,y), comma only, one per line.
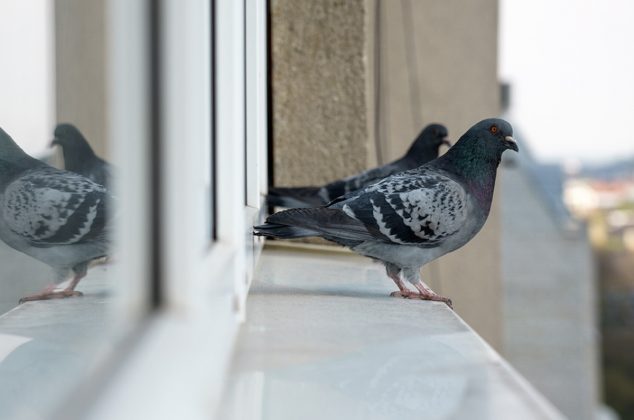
(54,142)
(510,143)
(446,142)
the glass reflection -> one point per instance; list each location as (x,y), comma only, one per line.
(58,300)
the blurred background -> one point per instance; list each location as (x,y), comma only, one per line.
(569,73)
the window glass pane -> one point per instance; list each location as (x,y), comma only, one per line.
(57,227)
(27,115)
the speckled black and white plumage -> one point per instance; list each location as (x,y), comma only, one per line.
(416,207)
(79,156)
(55,216)
(411,218)
(423,149)
(51,207)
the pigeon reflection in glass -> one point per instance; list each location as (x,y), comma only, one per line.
(55,216)
(79,156)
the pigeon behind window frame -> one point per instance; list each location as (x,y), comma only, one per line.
(413,217)
(423,149)
(55,216)
(79,156)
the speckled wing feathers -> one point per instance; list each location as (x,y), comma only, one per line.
(415,207)
(49,207)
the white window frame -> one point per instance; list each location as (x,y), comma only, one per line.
(176,369)
(256,171)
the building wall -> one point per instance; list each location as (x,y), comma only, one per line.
(355,81)
(319,96)
(80,68)
(549,295)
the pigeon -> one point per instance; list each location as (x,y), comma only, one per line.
(411,218)
(79,156)
(55,216)
(423,149)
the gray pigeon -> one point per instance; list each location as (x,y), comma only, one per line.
(413,217)
(79,156)
(55,216)
(423,149)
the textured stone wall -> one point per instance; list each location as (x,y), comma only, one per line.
(319,104)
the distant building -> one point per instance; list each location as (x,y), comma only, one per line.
(550,325)
(584,196)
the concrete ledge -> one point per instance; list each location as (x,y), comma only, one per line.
(324,340)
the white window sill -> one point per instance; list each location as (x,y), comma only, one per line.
(47,347)
(324,340)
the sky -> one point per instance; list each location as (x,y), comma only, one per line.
(571,67)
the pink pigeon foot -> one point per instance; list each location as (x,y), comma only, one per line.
(49,294)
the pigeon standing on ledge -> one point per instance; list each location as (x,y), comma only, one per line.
(423,149)
(57,217)
(411,218)
(79,156)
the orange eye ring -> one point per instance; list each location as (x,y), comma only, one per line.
(494,129)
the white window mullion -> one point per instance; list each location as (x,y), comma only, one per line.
(230,137)
(186,117)
(256,74)
(129,136)
(256,126)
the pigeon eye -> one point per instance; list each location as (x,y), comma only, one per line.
(493,129)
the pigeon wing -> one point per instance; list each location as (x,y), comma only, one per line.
(48,207)
(326,222)
(356,182)
(420,208)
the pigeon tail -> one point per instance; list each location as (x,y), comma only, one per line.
(325,222)
(271,230)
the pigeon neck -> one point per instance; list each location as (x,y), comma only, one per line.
(477,170)
(78,157)
(421,153)
(77,146)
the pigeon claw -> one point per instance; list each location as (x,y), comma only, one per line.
(408,294)
(47,295)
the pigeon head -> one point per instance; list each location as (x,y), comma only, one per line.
(492,136)
(477,154)
(482,144)
(428,141)
(70,139)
